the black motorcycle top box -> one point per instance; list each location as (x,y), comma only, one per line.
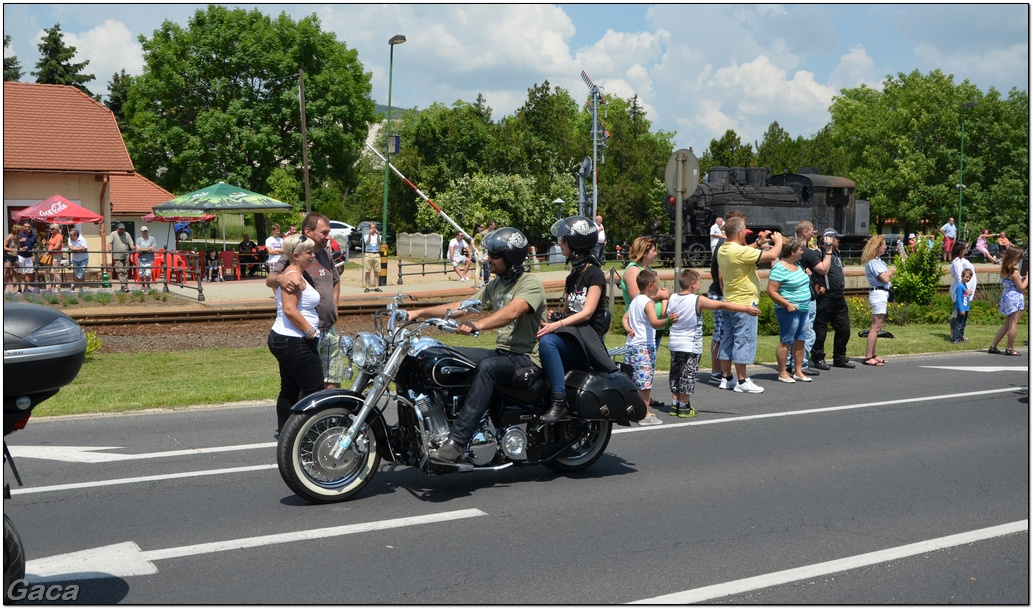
(597,395)
(44,350)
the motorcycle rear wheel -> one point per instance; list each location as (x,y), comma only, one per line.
(593,436)
(305,462)
(14,557)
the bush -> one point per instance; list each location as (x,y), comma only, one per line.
(918,276)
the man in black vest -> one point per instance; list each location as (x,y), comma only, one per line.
(832,307)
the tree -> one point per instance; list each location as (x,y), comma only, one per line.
(54,66)
(902,145)
(729,151)
(631,181)
(12,68)
(118,89)
(218,100)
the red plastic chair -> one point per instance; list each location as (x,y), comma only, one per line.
(230,264)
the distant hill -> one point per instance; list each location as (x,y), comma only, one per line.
(381,110)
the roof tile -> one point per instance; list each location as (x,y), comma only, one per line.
(60,128)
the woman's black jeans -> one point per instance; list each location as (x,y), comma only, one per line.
(301,372)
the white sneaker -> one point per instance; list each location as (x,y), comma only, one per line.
(650,420)
(748,386)
(727,384)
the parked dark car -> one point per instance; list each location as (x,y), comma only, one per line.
(355,238)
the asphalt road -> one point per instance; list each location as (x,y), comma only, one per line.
(896,485)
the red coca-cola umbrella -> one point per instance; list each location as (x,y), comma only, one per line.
(58,210)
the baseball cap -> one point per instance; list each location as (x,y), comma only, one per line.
(143,228)
(120,225)
(831,232)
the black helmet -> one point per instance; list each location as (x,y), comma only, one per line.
(580,232)
(508,242)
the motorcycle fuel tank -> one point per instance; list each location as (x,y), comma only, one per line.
(442,365)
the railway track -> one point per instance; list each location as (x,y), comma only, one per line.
(219,313)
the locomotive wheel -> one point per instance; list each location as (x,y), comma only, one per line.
(698,255)
(592,438)
(306,463)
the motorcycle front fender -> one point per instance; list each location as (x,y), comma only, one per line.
(349,400)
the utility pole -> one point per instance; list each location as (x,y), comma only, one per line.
(304,138)
(597,130)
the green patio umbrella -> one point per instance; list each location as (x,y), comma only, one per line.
(220,198)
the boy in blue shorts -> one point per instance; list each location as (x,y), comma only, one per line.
(641,323)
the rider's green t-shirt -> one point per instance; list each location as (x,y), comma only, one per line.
(518,336)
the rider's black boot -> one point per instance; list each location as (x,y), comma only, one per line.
(557,408)
(449,452)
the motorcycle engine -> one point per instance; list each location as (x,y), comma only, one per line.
(484,445)
(433,417)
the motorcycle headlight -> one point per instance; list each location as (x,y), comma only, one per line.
(368,352)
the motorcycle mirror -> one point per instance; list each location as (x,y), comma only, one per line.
(472,306)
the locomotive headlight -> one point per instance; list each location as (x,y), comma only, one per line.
(368,352)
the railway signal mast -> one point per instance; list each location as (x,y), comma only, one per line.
(599,137)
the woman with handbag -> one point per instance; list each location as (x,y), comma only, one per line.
(878,276)
(572,337)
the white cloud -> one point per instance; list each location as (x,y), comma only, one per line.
(983,65)
(855,68)
(110,48)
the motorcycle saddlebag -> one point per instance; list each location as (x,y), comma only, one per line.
(598,395)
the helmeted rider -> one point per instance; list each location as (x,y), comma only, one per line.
(573,335)
(516,301)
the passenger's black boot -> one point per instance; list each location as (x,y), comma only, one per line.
(557,408)
(449,452)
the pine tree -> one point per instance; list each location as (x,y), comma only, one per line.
(54,67)
(118,90)
(12,68)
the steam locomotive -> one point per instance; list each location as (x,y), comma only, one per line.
(770,202)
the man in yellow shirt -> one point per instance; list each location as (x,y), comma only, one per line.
(738,263)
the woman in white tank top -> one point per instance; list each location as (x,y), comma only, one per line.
(294,337)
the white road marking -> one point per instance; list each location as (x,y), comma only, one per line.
(158,478)
(707,593)
(89,454)
(793,413)
(981,368)
(127,559)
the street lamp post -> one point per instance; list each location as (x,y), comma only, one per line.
(961,167)
(396,39)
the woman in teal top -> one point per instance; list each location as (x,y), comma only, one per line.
(790,289)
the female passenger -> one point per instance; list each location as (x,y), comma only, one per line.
(294,337)
(572,337)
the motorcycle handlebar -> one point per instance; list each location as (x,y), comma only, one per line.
(449,325)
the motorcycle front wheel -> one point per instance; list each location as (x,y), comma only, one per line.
(305,456)
(590,440)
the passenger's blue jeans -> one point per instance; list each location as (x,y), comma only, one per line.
(555,350)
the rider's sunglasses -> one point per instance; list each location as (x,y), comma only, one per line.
(494,255)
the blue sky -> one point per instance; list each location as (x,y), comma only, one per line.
(698,69)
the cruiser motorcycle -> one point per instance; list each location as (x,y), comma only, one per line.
(332,444)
